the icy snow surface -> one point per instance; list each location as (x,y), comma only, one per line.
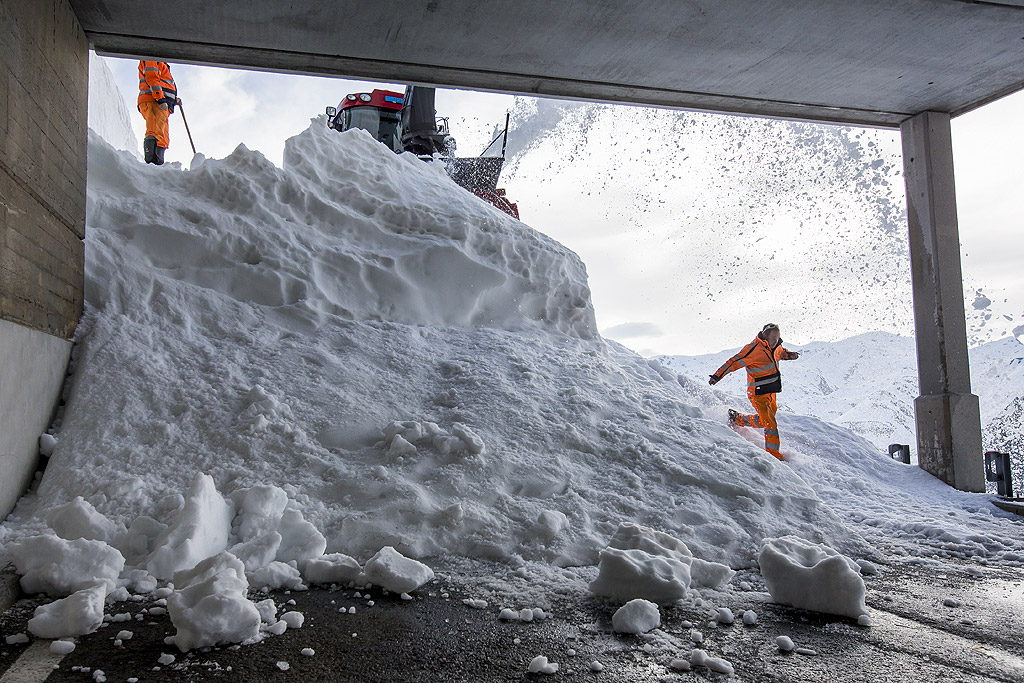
(900,509)
(412,367)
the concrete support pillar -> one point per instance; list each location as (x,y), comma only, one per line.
(948,414)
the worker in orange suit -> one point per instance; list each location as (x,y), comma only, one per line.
(764,380)
(157,98)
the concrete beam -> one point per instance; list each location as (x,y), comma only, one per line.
(865,62)
(948,414)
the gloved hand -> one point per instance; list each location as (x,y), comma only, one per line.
(713,379)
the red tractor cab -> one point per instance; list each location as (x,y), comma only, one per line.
(409,123)
(378,112)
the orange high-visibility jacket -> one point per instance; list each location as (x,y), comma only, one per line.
(762,364)
(156,84)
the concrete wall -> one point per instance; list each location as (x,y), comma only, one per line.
(44,75)
(31,377)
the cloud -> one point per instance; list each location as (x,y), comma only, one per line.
(632,331)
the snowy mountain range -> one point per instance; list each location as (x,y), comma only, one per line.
(868,384)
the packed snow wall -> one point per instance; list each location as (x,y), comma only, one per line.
(414,367)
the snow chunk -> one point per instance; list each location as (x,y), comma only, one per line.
(680,664)
(640,562)
(749,617)
(62,647)
(210,606)
(307,652)
(48,564)
(395,572)
(725,616)
(785,643)
(636,616)
(719,665)
(75,615)
(47,443)
(277,628)
(258,552)
(199,531)
(16,639)
(867,568)
(277,576)
(165,659)
(811,576)
(138,581)
(267,610)
(293,619)
(332,568)
(301,540)
(709,574)
(79,519)
(540,664)
(259,510)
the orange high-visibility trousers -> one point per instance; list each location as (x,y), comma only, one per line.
(766,407)
(156,123)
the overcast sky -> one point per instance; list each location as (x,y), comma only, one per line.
(638,281)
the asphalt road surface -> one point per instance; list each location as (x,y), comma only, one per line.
(954,622)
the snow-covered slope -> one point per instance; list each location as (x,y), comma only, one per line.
(108,113)
(868,384)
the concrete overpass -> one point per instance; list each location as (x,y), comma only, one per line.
(911,64)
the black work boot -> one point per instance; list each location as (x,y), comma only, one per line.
(160,156)
(149,149)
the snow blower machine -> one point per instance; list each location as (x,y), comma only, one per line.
(409,123)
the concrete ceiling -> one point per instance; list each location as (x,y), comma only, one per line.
(866,62)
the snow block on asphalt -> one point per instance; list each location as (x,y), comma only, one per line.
(51,565)
(636,616)
(332,568)
(76,615)
(640,562)
(394,572)
(811,576)
(210,606)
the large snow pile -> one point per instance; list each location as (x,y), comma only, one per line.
(411,367)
